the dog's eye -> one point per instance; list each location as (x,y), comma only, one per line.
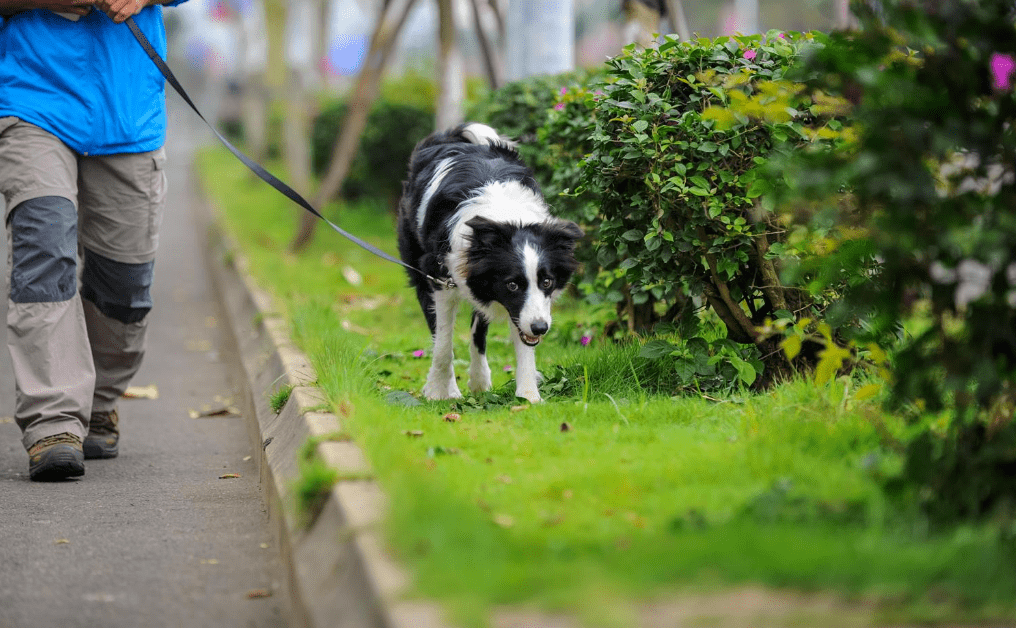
(547,283)
(512,286)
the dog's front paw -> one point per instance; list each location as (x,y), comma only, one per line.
(530,394)
(443,390)
(479,378)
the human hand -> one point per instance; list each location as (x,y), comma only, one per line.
(120,10)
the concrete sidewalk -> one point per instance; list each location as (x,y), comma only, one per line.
(153,538)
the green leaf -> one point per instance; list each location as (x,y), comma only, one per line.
(708,147)
(745,371)
(791,346)
(640,126)
(402,398)
(656,349)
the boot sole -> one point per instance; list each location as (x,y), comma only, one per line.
(97,450)
(59,463)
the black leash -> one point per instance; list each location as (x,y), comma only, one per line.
(257,169)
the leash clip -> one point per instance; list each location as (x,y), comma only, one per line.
(445,284)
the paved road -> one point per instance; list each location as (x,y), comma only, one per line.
(153,538)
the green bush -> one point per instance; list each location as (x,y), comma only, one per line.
(551,119)
(928,164)
(680,218)
(379,167)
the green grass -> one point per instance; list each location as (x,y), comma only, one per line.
(646,495)
(277,400)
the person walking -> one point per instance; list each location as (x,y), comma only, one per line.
(82,128)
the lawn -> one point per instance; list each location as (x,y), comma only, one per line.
(606,496)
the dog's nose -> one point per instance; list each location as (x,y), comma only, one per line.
(539,328)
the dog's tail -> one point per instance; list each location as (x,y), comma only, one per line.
(481,134)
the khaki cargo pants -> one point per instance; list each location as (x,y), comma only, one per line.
(75,351)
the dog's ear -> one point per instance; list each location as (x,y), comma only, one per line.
(488,234)
(565,232)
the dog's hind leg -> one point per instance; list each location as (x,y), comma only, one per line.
(441,378)
(479,370)
(426,298)
(526,375)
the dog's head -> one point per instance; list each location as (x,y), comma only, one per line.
(521,266)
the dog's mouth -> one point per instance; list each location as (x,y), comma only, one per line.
(531,341)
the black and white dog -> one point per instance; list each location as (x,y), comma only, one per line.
(472,213)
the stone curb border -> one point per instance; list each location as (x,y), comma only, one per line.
(338,572)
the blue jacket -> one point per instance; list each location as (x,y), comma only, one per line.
(88,82)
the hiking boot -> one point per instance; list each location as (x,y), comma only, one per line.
(56,458)
(103,435)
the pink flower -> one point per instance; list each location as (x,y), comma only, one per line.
(585,340)
(507,368)
(559,106)
(782,35)
(419,353)
(564,90)
(749,54)
(1002,67)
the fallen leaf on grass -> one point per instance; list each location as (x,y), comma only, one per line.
(519,408)
(504,479)
(256,593)
(550,521)
(150,391)
(413,433)
(356,329)
(505,521)
(453,417)
(229,476)
(442,451)
(352,276)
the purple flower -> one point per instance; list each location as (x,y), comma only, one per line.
(585,340)
(749,54)
(559,106)
(419,353)
(782,35)
(1002,66)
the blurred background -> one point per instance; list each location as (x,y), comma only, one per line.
(339,91)
(326,42)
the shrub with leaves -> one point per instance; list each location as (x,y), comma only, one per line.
(379,167)
(681,222)
(929,168)
(551,119)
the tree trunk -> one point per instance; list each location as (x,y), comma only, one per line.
(677,18)
(364,94)
(301,14)
(491,58)
(451,89)
(254,97)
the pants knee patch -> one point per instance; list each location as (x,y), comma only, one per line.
(44,233)
(120,291)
